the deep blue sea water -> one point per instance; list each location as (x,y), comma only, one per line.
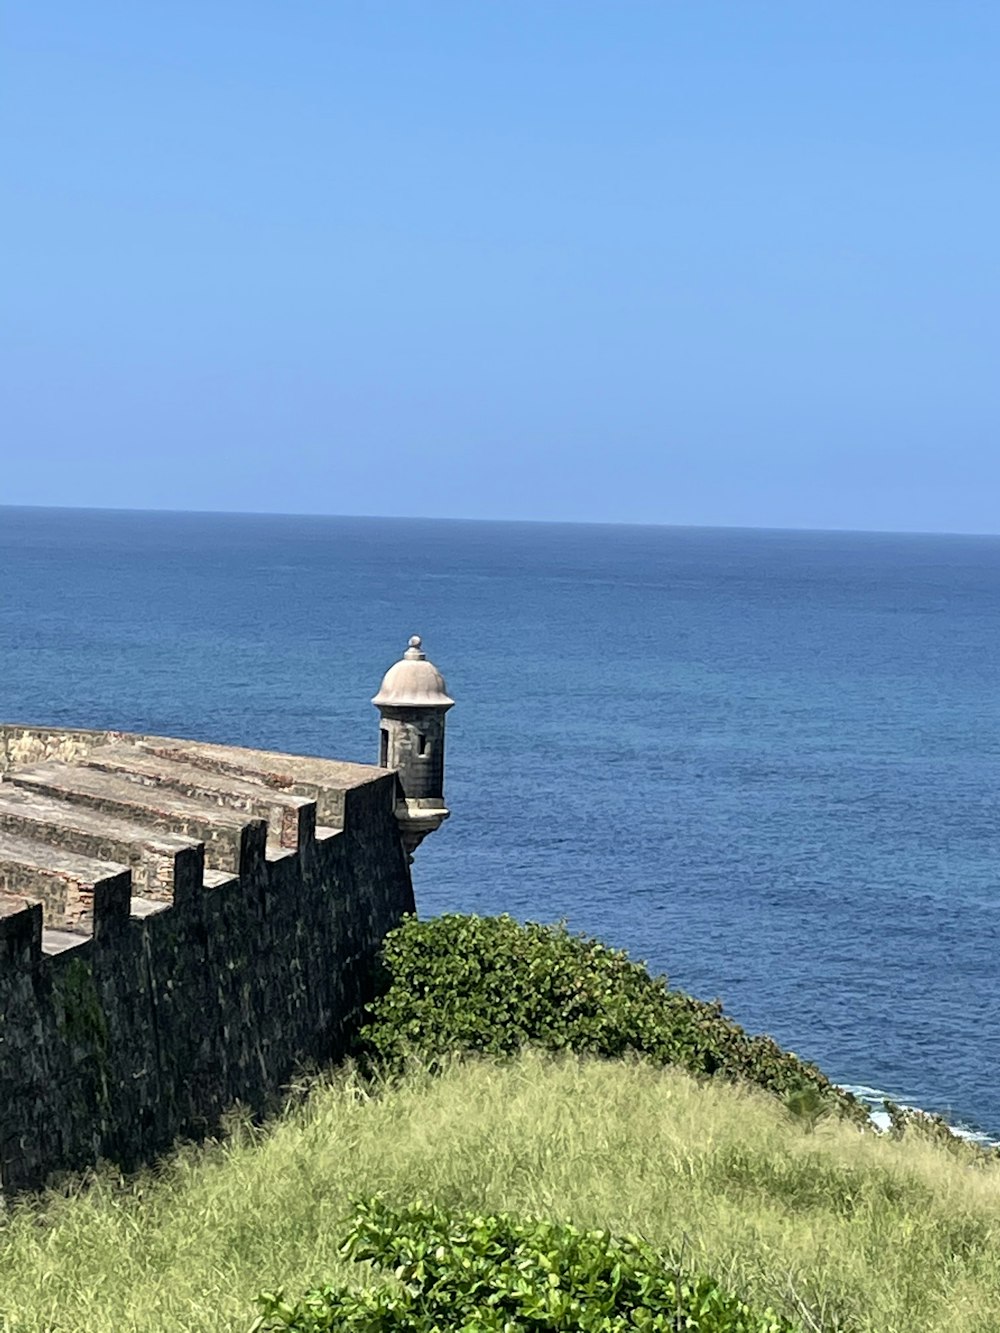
(766,762)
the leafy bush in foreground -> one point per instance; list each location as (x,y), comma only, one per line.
(461,1271)
(492,985)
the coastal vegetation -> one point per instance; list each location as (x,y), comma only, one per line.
(527,1102)
(494,985)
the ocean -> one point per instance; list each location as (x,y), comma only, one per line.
(765,762)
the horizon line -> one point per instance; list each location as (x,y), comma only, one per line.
(537,522)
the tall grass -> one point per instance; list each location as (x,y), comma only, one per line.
(843,1230)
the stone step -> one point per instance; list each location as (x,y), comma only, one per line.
(149,854)
(289,817)
(62,881)
(321,780)
(156,807)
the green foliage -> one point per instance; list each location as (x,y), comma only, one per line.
(807,1106)
(843,1231)
(492,985)
(906,1121)
(475,1273)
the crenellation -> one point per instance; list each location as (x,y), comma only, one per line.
(147,1025)
(20,932)
(189,877)
(182,925)
(112,913)
(304,834)
(252,858)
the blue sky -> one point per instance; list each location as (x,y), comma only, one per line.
(675,262)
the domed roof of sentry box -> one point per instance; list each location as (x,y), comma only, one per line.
(413,683)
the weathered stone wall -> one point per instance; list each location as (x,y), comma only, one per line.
(31,745)
(150,1028)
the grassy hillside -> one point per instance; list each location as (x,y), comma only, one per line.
(748,1169)
(841,1229)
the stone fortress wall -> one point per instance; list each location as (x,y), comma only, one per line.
(181,926)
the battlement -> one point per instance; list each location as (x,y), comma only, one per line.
(180,924)
(80,808)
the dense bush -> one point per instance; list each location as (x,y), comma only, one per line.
(493,985)
(460,1271)
(907,1122)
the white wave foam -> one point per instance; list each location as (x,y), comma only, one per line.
(874,1099)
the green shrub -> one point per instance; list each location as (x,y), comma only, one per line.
(492,985)
(906,1121)
(462,1271)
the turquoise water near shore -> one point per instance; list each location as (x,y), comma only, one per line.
(765,762)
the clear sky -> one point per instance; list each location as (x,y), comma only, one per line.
(685,261)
